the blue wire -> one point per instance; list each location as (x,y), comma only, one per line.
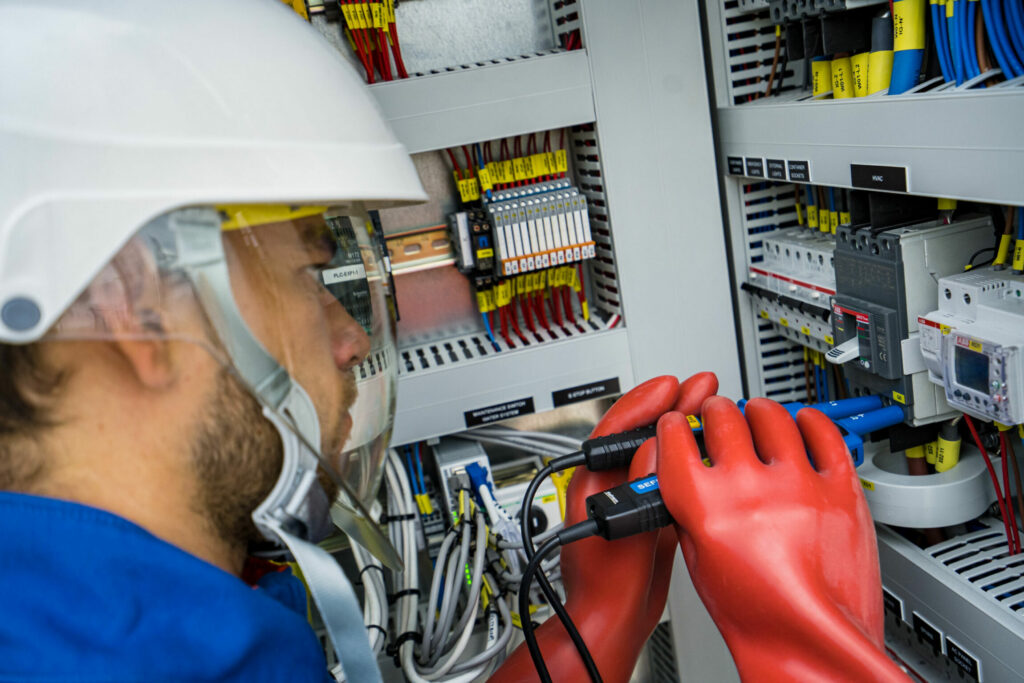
(1020,222)
(906,64)
(412,472)
(831,200)
(490,335)
(1015,12)
(941,47)
(986,16)
(419,468)
(954,42)
(817,383)
(1004,54)
(969,40)
(479,151)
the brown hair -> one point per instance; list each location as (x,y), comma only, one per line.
(28,387)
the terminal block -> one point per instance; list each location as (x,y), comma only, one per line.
(540,226)
(794,285)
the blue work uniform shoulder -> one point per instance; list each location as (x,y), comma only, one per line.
(88,596)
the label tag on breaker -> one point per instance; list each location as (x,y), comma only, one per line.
(501,411)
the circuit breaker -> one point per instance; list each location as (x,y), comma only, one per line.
(884,280)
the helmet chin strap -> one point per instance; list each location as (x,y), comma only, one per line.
(296,501)
(297,508)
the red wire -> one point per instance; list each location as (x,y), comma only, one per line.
(538,306)
(455,164)
(518,152)
(556,307)
(397,51)
(385,61)
(547,148)
(364,57)
(469,161)
(995,481)
(504,324)
(513,316)
(1008,492)
(567,300)
(527,316)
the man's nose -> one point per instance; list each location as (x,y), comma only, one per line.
(350,345)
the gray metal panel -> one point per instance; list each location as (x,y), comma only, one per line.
(500,99)
(987,632)
(432,403)
(654,127)
(965,145)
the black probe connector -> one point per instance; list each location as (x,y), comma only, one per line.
(615,450)
(631,508)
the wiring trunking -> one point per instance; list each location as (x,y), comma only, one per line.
(954,611)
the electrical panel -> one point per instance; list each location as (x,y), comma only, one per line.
(872,102)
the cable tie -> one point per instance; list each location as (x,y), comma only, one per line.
(397,595)
(379,568)
(387,519)
(393,650)
(379,628)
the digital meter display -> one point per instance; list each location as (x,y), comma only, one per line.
(971,369)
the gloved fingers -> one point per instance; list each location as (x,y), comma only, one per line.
(776,435)
(825,443)
(679,467)
(726,434)
(639,407)
(661,575)
(645,460)
(694,391)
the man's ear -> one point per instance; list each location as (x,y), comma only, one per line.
(126,296)
(151,361)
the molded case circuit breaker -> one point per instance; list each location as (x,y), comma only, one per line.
(885,279)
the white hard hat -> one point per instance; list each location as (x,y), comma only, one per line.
(115,111)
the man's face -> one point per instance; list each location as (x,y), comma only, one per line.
(277,284)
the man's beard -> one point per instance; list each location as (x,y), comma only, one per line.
(236,456)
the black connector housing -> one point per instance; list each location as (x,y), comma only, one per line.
(628,509)
(615,450)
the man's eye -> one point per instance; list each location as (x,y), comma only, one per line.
(316,271)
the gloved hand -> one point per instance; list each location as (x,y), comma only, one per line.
(782,552)
(615,591)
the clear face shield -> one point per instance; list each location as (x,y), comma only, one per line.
(292,303)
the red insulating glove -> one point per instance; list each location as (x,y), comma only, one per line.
(615,591)
(782,552)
